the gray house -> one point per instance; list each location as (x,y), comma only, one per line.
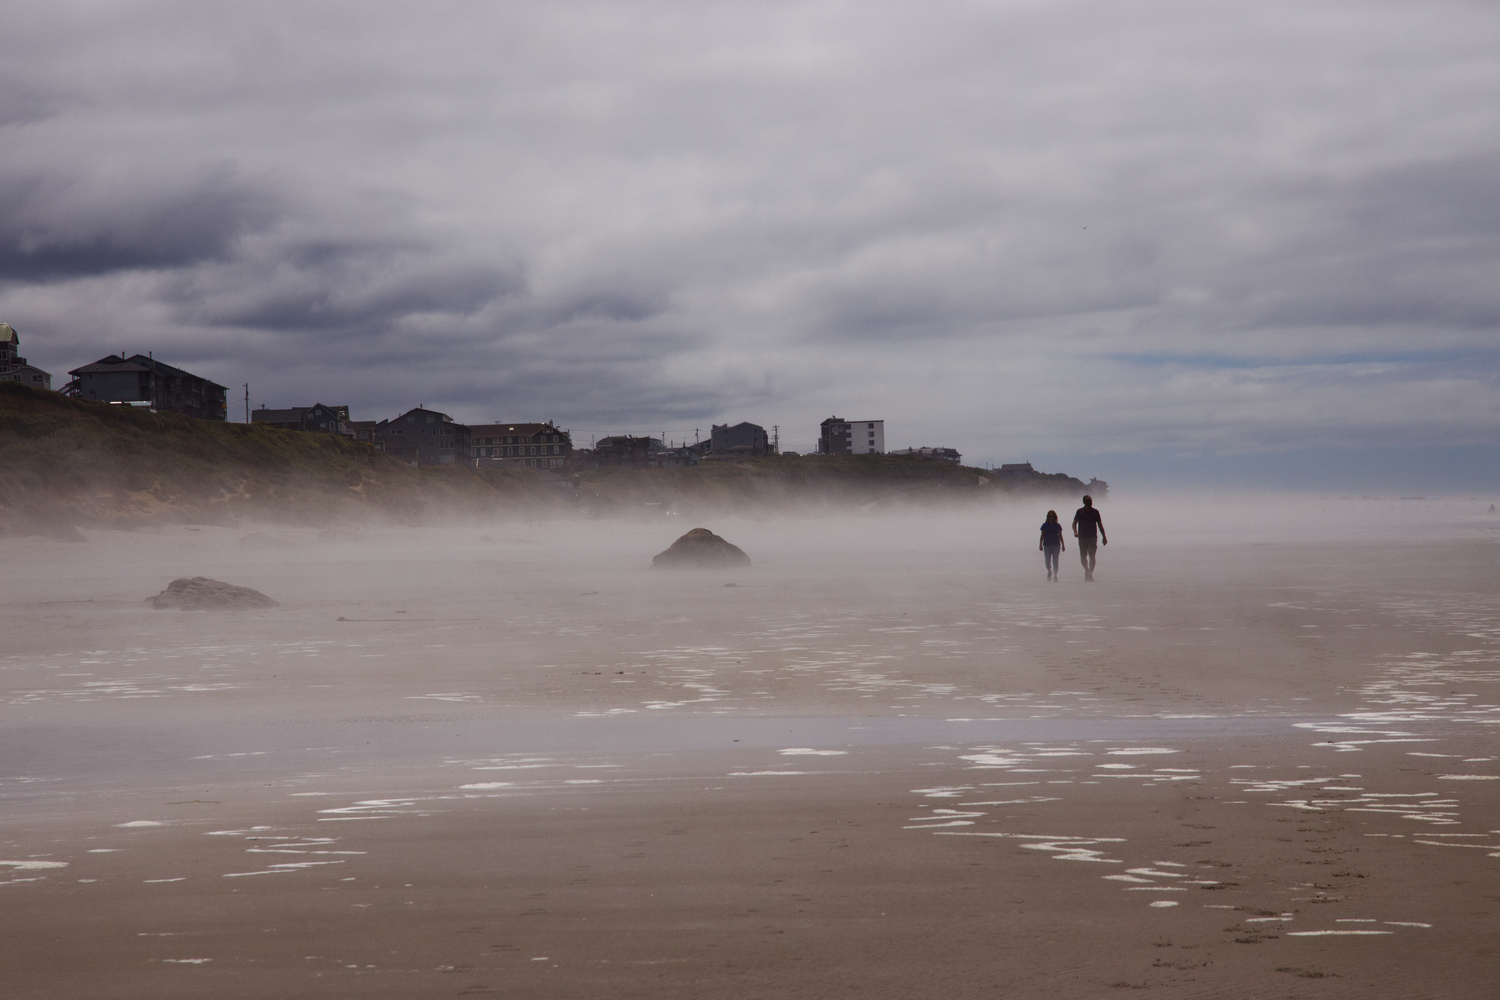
(743,440)
(318,417)
(142,379)
(13,367)
(423,437)
(628,450)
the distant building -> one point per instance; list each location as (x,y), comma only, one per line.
(932,454)
(364,430)
(852,437)
(1017,467)
(681,456)
(743,440)
(629,451)
(422,437)
(329,419)
(532,446)
(13,367)
(142,379)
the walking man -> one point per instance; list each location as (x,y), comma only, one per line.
(1088,528)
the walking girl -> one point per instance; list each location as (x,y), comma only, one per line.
(1051,544)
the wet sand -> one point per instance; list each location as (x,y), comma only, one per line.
(890,760)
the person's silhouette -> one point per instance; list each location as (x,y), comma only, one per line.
(1088,528)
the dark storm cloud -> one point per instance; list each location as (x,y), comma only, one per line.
(350,288)
(55,227)
(1002,226)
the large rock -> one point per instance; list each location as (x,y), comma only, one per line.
(701,549)
(202,594)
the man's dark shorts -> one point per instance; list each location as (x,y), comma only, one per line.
(1088,546)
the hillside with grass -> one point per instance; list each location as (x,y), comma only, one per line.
(65,463)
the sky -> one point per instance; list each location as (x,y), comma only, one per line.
(1157,241)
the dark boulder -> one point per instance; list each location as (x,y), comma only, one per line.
(202,594)
(701,549)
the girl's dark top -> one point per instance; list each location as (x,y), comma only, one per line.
(1052,534)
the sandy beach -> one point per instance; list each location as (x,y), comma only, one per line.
(1257,757)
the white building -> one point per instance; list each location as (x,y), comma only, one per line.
(852,437)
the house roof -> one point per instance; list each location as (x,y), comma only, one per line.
(629,441)
(264,416)
(8,334)
(422,410)
(109,364)
(139,362)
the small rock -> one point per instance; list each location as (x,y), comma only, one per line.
(701,549)
(200,594)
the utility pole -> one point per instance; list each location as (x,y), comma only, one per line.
(247,402)
(776,439)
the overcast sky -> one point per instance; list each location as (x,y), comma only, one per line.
(1153,238)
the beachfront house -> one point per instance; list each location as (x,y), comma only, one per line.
(743,440)
(318,417)
(13,367)
(143,381)
(423,437)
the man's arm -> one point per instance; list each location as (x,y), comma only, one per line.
(1103,538)
(1075,525)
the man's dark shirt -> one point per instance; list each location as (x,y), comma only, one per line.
(1088,521)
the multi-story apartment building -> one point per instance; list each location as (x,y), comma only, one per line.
(852,437)
(532,446)
(142,379)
